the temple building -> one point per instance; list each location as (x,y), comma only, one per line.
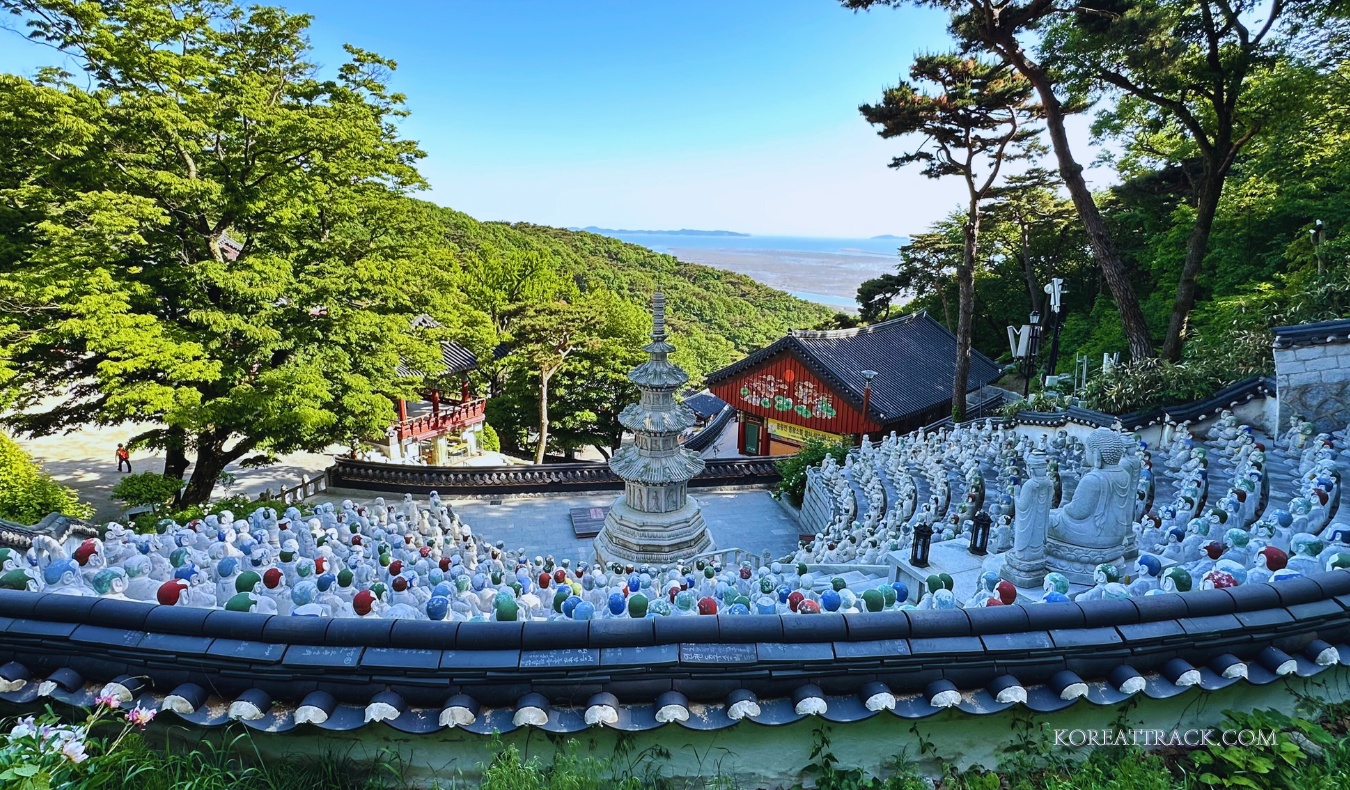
(444,422)
(838,385)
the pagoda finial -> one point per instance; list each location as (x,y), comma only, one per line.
(658,317)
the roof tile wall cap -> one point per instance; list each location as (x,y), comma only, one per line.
(385,706)
(1126,679)
(809,700)
(1007,688)
(1181,673)
(877,696)
(123,687)
(315,708)
(252,705)
(460,710)
(531,710)
(741,704)
(602,710)
(1228,666)
(64,678)
(942,694)
(1333,583)
(185,699)
(13,676)
(1277,661)
(1321,653)
(997,620)
(1068,685)
(672,706)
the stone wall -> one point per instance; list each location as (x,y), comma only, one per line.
(1312,374)
(818,506)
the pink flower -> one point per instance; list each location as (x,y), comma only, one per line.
(140,716)
(73,750)
(111,700)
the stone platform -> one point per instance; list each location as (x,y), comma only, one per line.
(953,557)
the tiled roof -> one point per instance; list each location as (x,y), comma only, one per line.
(457,358)
(20,536)
(1337,331)
(705,404)
(914,357)
(280,672)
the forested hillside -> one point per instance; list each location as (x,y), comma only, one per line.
(1228,128)
(716,316)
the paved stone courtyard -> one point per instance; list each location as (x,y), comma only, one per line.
(747,518)
(83,459)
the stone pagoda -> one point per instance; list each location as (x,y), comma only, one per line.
(655,520)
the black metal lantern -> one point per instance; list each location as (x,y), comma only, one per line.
(979,533)
(923,540)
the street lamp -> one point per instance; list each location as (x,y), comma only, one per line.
(1055,290)
(1318,232)
(867,375)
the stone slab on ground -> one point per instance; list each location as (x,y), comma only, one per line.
(587,521)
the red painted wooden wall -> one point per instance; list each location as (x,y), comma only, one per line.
(782,388)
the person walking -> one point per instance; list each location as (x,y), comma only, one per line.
(123,458)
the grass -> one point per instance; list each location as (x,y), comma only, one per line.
(1308,756)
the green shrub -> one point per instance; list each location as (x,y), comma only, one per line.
(147,489)
(27,494)
(488,439)
(793,468)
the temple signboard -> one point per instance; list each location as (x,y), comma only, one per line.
(798,433)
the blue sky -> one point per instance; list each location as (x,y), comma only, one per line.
(674,114)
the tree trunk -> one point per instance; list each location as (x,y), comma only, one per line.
(946,308)
(212,458)
(175,453)
(1033,287)
(965,279)
(1206,206)
(211,461)
(1103,249)
(543,416)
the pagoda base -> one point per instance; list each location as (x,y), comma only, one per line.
(632,537)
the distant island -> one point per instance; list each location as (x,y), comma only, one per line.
(682,232)
(887,236)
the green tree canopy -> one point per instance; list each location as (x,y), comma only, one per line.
(973,117)
(200,233)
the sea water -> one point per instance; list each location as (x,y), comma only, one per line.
(818,269)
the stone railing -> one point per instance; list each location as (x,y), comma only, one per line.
(545,478)
(306,488)
(1229,397)
(276,672)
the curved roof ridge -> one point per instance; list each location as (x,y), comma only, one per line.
(857,330)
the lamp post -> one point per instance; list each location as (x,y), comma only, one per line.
(979,533)
(1056,290)
(1318,232)
(1025,344)
(867,375)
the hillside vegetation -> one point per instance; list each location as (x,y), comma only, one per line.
(715,316)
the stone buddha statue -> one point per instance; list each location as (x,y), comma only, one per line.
(1091,529)
(1024,566)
